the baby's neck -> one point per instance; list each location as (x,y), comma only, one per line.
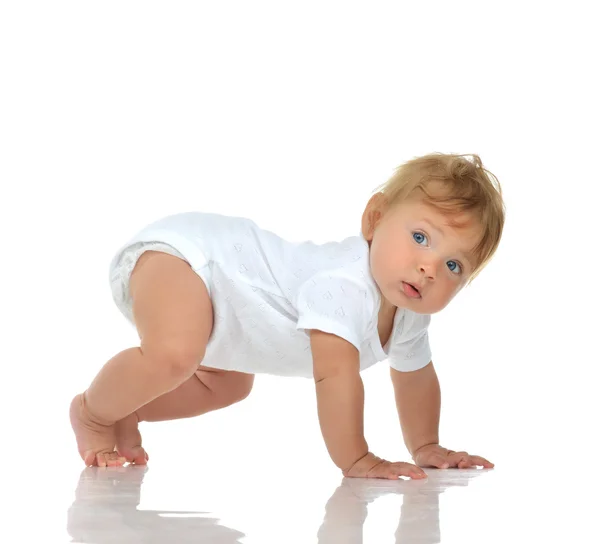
(386,308)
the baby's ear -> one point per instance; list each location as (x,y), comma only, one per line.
(373,213)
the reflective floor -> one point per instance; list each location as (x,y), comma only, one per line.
(106,509)
(187,502)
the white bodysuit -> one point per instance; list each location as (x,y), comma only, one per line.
(268,292)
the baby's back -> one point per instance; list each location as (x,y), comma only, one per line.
(258,257)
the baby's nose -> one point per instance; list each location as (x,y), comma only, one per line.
(428,269)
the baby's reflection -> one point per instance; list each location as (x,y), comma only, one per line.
(346,510)
(106,500)
(105,511)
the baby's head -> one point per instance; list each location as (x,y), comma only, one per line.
(435,224)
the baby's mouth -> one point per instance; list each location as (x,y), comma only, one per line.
(410,290)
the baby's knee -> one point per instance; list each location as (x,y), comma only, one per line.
(176,359)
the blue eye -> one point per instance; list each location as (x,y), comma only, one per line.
(455,267)
(423,237)
(455,263)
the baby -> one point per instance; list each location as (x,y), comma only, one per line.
(216,300)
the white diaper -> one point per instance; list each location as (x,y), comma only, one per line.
(122,268)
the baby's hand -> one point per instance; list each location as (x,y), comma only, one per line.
(434,455)
(371,466)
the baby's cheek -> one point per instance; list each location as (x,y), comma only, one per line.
(387,267)
(447,294)
(376,270)
(395,265)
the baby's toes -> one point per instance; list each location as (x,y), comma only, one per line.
(129,440)
(112,459)
(136,455)
(104,459)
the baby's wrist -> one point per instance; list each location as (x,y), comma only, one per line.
(363,465)
(429,444)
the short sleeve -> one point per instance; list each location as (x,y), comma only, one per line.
(410,349)
(335,303)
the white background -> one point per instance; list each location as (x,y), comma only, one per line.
(114,114)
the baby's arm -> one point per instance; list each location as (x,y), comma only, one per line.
(340,397)
(418,402)
(340,403)
(418,397)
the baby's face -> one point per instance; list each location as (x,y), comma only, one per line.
(412,243)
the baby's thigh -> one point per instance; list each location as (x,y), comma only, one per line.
(172,309)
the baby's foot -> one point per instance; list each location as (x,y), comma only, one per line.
(129,440)
(95,442)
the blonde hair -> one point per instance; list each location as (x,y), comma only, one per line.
(463,186)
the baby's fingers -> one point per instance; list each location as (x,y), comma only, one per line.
(435,460)
(393,471)
(476,460)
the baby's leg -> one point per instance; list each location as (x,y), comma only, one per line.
(209,389)
(173,315)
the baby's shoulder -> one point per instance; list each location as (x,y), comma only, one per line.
(350,254)
(341,274)
(409,324)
